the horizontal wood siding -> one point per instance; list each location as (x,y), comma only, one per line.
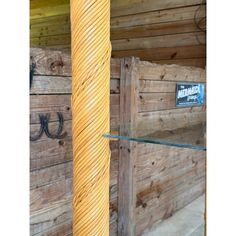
(51,159)
(137,28)
(167,178)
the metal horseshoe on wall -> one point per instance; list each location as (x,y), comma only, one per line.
(44,119)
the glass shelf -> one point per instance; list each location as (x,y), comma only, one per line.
(192,137)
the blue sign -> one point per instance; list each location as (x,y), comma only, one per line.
(190,94)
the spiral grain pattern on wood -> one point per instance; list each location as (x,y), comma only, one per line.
(91,50)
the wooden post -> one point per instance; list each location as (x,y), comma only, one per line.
(128,150)
(91,52)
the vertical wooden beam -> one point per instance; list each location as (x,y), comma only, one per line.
(128,150)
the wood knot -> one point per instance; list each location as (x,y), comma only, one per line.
(173,55)
(162,77)
(61,142)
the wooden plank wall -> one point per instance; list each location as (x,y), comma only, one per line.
(164,179)
(167,178)
(159,31)
(51,159)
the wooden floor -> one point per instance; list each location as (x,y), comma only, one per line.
(188,221)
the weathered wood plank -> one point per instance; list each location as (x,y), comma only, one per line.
(50,217)
(175,40)
(127,152)
(42,104)
(55,62)
(156,17)
(56,192)
(148,18)
(118,8)
(54,40)
(51,10)
(45,3)
(156,101)
(149,122)
(50,62)
(173,203)
(49,30)
(124,7)
(167,168)
(48,195)
(51,174)
(64,229)
(47,152)
(185,26)
(51,25)
(195,62)
(172,53)
(50,21)
(155,86)
(61,85)
(152,71)
(50,84)
(163,186)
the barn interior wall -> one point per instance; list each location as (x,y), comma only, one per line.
(166,178)
(165,32)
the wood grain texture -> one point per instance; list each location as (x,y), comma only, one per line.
(155,182)
(175,40)
(167,178)
(167,28)
(48,195)
(50,217)
(49,10)
(51,104)
(58,63)
(123,7)
(156,101)
(152,71)
(49,30)
(169,119)
(155,86)
(136,27)
(166,163)
(46,3)
(48,152)
(48,41)
(183,198)
(193,62)
(156,17)
(51,160)
(61,85)
(127,152)
(50,21)
(171,53)
(64,229)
